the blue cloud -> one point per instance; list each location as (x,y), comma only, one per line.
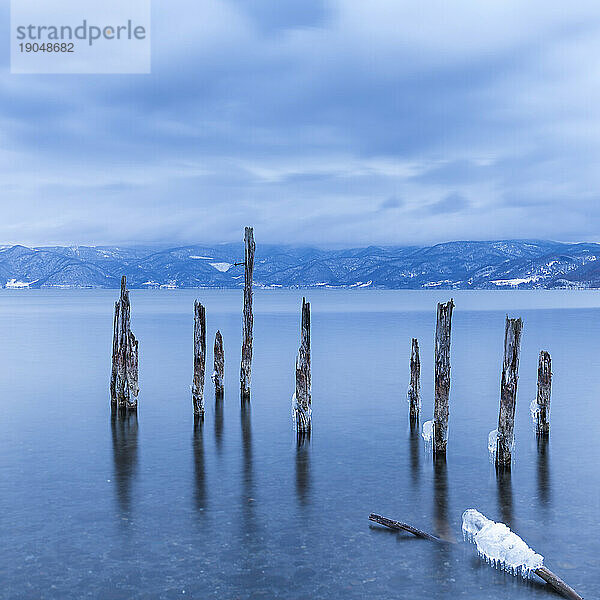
(452,203)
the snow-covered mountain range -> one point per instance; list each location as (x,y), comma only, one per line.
(461,265)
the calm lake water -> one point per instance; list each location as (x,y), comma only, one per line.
(152,507)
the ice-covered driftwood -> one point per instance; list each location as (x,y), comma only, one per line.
(504,549)
(442,377)
(199,358)
(302,399)
(540,406)
(414,389)
(124,387)
(501,441)
(219,365)
(248,319)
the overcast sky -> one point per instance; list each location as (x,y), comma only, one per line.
(346,122)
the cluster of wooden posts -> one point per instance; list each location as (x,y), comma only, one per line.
(124,388)
(502,439)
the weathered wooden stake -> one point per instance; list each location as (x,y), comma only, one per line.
(414,389)
(124,387)
(540,407)
(219,365)
(248,320)
(199,358)
(442,376)
(508,392)
(302,399)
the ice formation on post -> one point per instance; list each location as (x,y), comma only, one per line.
(534,410)
(493,443)
(498,545)
(428,432)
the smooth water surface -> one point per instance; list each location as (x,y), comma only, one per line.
(154,507)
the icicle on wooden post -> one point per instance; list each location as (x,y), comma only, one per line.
(508,392)
(442,376)
(199,358)
(124,386)
(540,407)
(219,365)
(414,389)
(302,399)
(248,320)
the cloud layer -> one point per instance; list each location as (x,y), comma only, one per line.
(318,121)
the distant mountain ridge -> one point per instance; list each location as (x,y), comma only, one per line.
(528,264)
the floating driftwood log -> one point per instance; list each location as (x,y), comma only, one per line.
(219,365)
(504,549)
(399,526)
(124,388)
(540,407)
(302,399)
(505,435)
(199,358)
(442,376)
(414,389)
(248,319)
(497,544)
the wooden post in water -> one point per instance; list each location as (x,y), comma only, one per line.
(540,407)
(414,389)
(442,376)
(199,359)
(248,319)
(219,365)
(302,400)
(508,392)
(124,387)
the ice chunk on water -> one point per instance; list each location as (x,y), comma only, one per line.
(428,432)
(498,545)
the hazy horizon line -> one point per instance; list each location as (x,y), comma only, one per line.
(173,245)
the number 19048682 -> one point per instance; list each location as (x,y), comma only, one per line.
(47,47)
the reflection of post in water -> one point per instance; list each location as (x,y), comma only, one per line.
(247,471)
(247,443)
(199,471)
(543,471)
(440,498)
(505,499)
(303,467)
(124,428)
(415,437)
(219,422)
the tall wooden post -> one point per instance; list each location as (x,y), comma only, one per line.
(248,320)
(442,376)
(219,365)
(124,387)
(508,391)
(414,389)
(199,358)
(540,407)
(302,400)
